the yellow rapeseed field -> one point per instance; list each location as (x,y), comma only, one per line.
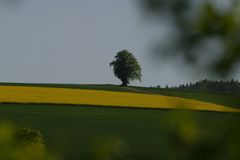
(16,94)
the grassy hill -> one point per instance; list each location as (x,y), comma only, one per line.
(231,100)
(100,133)
(47,95)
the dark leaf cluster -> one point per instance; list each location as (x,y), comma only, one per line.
(197,23)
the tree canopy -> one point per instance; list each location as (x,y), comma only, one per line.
(126,67)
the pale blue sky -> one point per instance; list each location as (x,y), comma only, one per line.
(73,41)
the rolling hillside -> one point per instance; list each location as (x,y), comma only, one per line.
(76,126)
(46,95)
(231,100)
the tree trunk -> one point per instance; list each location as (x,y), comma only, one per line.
(124,83)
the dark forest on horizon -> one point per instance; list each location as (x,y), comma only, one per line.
(226,86)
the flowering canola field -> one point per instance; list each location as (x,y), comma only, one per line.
(18,94)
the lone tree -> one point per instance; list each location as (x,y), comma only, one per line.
(126,67)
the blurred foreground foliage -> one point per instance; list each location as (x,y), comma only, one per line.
(110,147)
(205,32)
(188,140)
(22,144)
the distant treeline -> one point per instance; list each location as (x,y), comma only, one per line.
(230,86)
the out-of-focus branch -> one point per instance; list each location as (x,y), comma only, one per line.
(197,23)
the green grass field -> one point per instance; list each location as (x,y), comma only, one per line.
(74,131)
(81,132)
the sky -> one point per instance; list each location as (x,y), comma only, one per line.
(73,41)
